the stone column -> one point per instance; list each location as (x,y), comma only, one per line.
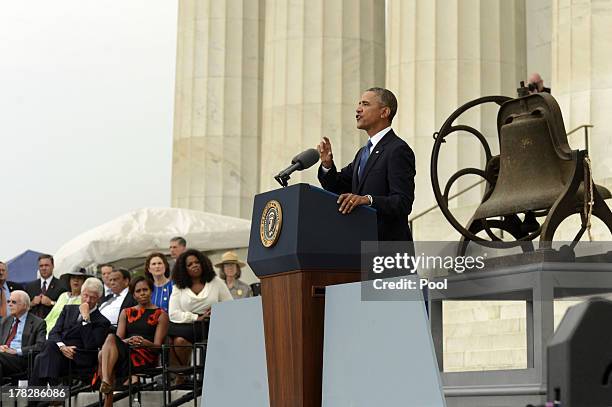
(215,166)
(440,55)
(582,76)
(539,38)
(319,56)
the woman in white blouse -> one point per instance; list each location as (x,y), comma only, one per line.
(196,288)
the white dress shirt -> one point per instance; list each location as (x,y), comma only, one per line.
(186,306)
(112,307)
(378,136)
(374,139)
(48,280)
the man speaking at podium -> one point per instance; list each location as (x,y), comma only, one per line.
(382,172)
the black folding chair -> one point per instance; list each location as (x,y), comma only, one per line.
(13,379)
(196,370)
(143,373)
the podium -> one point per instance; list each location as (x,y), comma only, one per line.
(299,244)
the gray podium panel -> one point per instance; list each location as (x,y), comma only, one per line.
(236,372)
(378,353)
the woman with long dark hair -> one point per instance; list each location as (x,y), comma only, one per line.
(196,288)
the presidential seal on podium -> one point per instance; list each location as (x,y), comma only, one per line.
(271,223)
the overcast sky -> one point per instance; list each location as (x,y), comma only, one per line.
(86,111)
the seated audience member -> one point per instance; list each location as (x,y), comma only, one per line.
(111,305)
(73,280)
(79,332)
(196,288)
(46,290)
(6,287)
(229,270)
(20,332)
(105,272)
(157,269)
(144,327)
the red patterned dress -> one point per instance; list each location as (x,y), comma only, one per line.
(140,322)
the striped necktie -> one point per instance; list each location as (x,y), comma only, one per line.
(109,301)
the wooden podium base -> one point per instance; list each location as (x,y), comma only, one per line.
(293,312)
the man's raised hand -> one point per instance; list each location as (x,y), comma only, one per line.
(325,153)
(84,309)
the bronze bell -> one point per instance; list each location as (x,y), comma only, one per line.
(537,169)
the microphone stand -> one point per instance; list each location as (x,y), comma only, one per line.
(282,179)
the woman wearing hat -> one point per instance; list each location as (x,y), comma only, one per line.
(229,271)
(73,280)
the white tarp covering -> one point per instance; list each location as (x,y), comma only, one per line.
(138,233)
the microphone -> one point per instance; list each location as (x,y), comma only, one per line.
(303,160)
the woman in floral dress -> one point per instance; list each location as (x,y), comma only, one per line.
(144,328)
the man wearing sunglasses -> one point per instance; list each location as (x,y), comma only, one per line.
(20,333)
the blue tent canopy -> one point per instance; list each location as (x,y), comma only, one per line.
(23,268)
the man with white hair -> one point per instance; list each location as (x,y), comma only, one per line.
(20,333)
(77,335)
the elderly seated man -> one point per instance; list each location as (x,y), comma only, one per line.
(79,332)
(20,333)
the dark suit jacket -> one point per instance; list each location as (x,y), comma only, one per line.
(12,286)
(128,301)
(56,287)
(34,333)
(389,177)
(71,332)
